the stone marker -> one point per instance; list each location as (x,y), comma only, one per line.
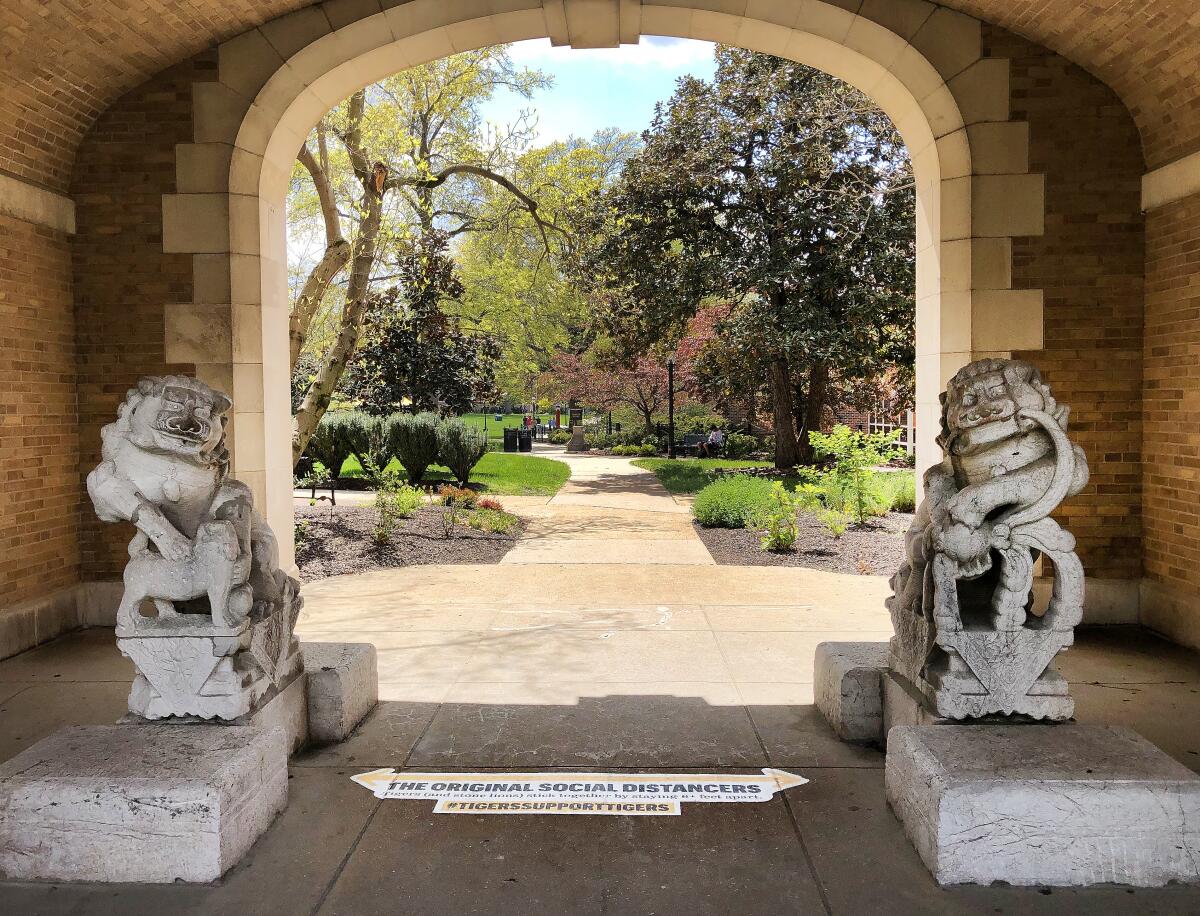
(1044,804)
(343,686)
(139,802)
(965,638)
(847,687)
(220,644)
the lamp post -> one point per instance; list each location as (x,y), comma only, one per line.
(670,406)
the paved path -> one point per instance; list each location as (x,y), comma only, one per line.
(608,512)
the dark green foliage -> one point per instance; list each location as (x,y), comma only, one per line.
(413,351)
(337,437)
(413,440)
(733,502)
(785,192)
(460,446)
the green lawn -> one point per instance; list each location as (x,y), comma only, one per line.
(495,428)
(497,472)
(690,475)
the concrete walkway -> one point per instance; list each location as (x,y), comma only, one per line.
(607,512)
(636,665)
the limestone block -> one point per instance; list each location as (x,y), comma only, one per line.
(982,90)
(196,223)
(288,34)
(149,803)
(287,710)
(903,705)
(951,41)
(1000,147)
(1069,804)
(846,683)
(1005,205)
(343,686)
(1007,319)
(196,333)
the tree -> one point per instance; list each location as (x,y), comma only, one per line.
(413,353)
(516,289)
(604,380)
(784,192)
(404,158)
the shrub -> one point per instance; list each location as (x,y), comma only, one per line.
(739,445)
(492,521)
(457,496)
(732,502)
(646,450)
(376,448)
(414,442)
(486,502)
(834,520)
(903,487)
(459,447)
(333,441)
(780,520)
(560,436)
(853,487)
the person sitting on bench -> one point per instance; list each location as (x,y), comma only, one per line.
(711,446)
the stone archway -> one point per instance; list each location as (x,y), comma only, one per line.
(921,64)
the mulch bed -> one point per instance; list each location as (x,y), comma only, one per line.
(344,545)
(874,549)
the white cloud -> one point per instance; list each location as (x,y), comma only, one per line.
(663,53)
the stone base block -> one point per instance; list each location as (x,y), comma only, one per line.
(286,709)
(139,802)
(903,705)
(1032,804)
(343,686)
(847,684)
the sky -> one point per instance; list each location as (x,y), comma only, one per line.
(607,87)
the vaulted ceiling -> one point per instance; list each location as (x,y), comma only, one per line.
(62,62)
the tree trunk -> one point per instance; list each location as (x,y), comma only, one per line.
(786,452)
(814,406)
(316,398)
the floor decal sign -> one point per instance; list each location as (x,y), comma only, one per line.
(627,794)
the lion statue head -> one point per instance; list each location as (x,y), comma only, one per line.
(176,416)
(982,403)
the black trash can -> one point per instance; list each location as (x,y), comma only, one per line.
(525,440)
(510,439)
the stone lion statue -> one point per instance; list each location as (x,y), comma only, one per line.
(201,553)
(971,550)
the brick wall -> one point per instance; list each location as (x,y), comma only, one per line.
(39,453)
(1172,415)
(1090,264)
(122,277)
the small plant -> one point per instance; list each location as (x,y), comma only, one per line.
(486,502)
(462,497)
(646,450)
(449,520)
(834,520)
(780,520)
(460,447)
(853,486)
(493,521)
(318,476)
(732,502)
(332,442)
(301,533)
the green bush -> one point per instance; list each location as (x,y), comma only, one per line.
(646,450)
(732,502)
(334,440)
(780,520)
(851,485)
(414,442)
(740,445)
(560,436)
(902,490)
(460,447)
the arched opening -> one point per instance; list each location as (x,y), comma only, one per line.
(955,246)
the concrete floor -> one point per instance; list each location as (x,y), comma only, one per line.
(661,662)
(831,846)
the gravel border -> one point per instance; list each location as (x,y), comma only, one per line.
(344,544)
(873,549)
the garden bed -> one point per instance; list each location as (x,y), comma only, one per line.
(875,548)
(341,543)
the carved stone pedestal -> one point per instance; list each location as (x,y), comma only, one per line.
(139,802)
(1068,804)
(846,685)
